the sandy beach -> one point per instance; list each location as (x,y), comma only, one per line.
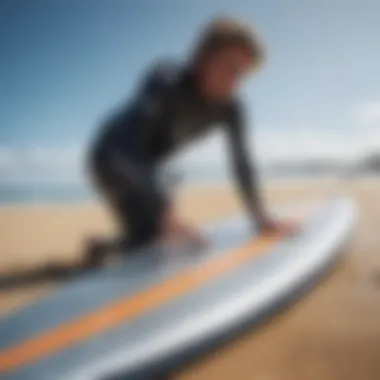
(332,334)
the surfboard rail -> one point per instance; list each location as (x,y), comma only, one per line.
(164,315)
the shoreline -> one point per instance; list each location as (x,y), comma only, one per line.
(268,185)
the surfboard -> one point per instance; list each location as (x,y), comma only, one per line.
(159,308)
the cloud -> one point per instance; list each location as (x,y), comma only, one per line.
(6,157)
(269,144)
(41,164)
(369,113)
(272,146)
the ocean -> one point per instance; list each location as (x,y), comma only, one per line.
(30,193)
(77,192)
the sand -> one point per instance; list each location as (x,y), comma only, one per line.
(332,334)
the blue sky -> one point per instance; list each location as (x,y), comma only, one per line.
(65,63)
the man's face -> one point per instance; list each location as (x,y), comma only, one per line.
(223,72)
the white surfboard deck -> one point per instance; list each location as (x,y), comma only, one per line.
(158,308)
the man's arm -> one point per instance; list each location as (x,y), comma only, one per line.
(243,168)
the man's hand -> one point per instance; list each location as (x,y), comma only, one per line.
(175,230)
(272,226)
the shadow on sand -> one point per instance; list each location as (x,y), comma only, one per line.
(55,272)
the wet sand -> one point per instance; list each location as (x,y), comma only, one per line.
(332,334)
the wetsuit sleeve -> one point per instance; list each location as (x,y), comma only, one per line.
(244,170)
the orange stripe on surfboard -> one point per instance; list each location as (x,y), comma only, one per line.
(68,334)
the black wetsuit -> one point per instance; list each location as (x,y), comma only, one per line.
(167,112)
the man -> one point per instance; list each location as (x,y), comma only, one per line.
(176,104)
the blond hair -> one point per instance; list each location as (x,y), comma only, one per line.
(224,32)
